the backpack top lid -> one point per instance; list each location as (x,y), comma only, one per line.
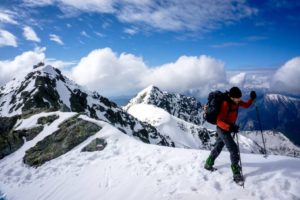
(213,106)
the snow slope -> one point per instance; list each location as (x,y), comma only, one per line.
(182,133)
(129,169)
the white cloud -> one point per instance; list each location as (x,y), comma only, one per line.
(175,15)
(20,65)
(131,31)
(56,39)
(83,33)
(30,34)
(228,44)
(38,2)
(112,74)
(238,80)
(105,71)
(60,64)
(99,34)
(192,15)
(286,78)
(103,6)
(187,72)
(7,39)
(7,17)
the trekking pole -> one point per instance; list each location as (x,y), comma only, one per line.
(262,136)
(238,146)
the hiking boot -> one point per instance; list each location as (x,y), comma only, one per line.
(210,161)
(237,175)
(238,178)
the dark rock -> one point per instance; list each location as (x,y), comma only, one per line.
(9,141)
(29,134)
(40,64)
(47,120)
(97,144)
(78,101)
(70,134)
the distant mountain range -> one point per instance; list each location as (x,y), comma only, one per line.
(278,113)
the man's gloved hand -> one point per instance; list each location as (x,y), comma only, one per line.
(253,95)
(234,128)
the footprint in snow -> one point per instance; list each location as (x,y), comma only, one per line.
(217,186)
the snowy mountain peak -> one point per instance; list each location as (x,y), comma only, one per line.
(48,69)
(46,89)
(43,88)
(181,106)
(144,96)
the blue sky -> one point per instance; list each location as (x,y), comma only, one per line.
(242,34)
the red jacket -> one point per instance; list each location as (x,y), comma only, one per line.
(228,114)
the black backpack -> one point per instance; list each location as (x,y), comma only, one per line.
(213,106)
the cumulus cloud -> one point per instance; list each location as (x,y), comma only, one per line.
(187,73)
(238,80)
(113,74)
(20,65)
(286,79)
(105,71)
(60,64)
(175,15)
(7,39)
(30,34)
(56,39)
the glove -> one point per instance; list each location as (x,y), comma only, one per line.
(253,95)
(234,128)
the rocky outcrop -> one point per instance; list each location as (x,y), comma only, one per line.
(70,134)
(97,144)
(47,120)
(10,139)
(9,142)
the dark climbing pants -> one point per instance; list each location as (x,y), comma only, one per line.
(225,138)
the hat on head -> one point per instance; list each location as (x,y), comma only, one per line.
(235,92)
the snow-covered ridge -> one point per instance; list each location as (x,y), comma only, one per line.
(161,173)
